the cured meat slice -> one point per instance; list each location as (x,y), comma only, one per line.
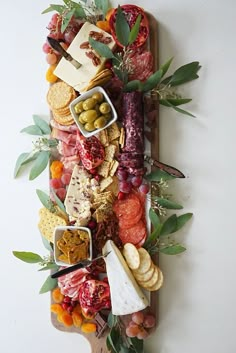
(134,234)
(125,223)
(142,64)
(128,208)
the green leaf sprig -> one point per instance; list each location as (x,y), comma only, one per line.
(160,239)
(87,10)
(41,152)
(46,263)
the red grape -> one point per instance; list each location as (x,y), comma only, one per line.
(138,317)
(132,331)
(125,186)
(121,195)
(46,48)
(55,183)
(142,334)
(92,224)
(61,193)
(136,181)
(122,174)
(65,178)
(149,321)
(51,58)
(144,188)
(56,18)
(69,36)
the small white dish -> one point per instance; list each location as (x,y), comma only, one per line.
(84,96)
(58,233)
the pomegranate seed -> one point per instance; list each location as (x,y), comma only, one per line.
(67,300)
(65,306)
(93,171)
(121,195)
(97,177)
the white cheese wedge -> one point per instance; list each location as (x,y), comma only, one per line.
(126,296)
(78,196)
(79,78)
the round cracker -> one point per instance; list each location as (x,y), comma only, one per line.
(60,95)
(145,261)
(152,280)
(143,277)
(131,255)
(158,284)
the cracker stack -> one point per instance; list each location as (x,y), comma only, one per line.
(59,96)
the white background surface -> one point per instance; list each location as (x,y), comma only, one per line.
(197,303)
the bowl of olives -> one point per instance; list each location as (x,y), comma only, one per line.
(93,111)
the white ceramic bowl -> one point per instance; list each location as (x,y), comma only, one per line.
(84,96)
(58,233)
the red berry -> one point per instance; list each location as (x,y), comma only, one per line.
(92,224)
(97,177)
(93,171)
(121,195)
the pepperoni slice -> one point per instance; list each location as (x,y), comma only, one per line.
(134,234)
(125,223)
(128,208)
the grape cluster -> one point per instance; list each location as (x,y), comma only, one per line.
(139,325)
(59,185)
(64,38)
(68,304)
(127,182)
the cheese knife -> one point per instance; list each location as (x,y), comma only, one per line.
(165,167)
(57,46)
(81,264)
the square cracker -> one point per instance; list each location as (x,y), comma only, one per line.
(103,169)
(105,183)
(113,131)
(110,152)
(103,137)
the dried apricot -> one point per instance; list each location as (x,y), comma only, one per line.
(77,309)
(108,14)
(104,25)
(56,169)
(88,327)
(56,308)
(50,77)
(57,295)
(77,319)
(66,319)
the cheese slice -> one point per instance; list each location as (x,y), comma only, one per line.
(79,78)
(126,296)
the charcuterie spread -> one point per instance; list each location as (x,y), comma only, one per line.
(106,212)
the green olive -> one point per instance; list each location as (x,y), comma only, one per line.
(79,107)
(89,103)
(89,126)
(100,122)
(89,115)
(107,116)
(104,108)
(81,120)
(98,96)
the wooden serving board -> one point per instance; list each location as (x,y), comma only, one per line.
(98,345)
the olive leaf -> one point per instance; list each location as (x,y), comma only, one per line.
(49,266)
(134,85)
(152,81)
(32,130)
(122,28)
(46,244)
(167,103)
(45,200)
(184,74)
(42,124)
(113,340)
(134,30)
(48,285)
(158,175)
(101,48)
(19,162)
(182,220)
(154,218)
(103,5)
(58,201)
(165,67)
(66,19)
(53,7)
(111,320)
(173,249)
(169,226)
(137,344)
(27,256)
(174,101)
(168,204)
(39,165)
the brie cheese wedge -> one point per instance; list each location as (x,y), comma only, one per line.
(126,296)
(79,78)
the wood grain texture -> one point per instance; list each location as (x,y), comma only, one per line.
(98,345)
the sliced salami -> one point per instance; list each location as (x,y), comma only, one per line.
(142,66)
(134,234)
(128,208)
